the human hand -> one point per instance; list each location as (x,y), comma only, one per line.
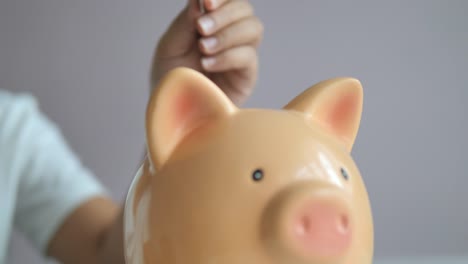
(222,44)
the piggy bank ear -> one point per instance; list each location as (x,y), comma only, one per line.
(336,104)
(183,100)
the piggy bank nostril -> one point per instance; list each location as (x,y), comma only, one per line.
(343,224)
(304,226)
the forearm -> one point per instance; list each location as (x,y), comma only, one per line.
(111,247)
(92,234)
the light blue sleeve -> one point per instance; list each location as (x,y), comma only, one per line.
(52,182)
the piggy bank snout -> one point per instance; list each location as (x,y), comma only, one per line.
(321,227)
(309,224)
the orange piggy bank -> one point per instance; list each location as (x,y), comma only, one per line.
(224,185)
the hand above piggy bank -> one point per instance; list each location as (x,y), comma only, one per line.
(224,185)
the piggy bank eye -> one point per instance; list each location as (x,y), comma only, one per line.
(257,175)
(344,173)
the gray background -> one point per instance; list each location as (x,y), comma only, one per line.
(87,61)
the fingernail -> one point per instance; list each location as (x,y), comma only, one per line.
(206,23)
(209,43)
(208,62)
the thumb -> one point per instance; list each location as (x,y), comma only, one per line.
(182,33)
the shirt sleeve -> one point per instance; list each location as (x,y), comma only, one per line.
(52,182)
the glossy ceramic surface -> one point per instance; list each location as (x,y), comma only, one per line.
(234,186)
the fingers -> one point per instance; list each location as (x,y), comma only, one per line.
(179,36)
(241,57)
(196,7)
(247,31)
(211,5)
(230,34)
(226,14)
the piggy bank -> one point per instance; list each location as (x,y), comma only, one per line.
(225,185)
